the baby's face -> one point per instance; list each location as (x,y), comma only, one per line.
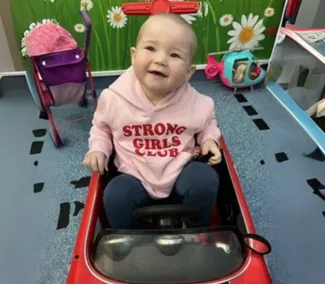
(162,58)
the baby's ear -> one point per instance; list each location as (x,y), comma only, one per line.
(190,72)
(132,51)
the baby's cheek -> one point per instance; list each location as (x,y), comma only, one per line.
(178,71)
(139,69)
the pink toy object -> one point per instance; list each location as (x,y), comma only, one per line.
(213,67)
(49,38)
(59,69)
(237,69)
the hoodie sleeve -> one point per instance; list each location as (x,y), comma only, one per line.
(100,133)
(210,129)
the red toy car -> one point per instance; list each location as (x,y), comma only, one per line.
(228,251)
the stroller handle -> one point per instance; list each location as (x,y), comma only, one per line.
(88,29)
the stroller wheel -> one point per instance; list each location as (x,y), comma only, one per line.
(83,103)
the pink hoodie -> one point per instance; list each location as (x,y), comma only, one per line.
(152,143)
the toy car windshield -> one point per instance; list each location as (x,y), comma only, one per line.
(170,257)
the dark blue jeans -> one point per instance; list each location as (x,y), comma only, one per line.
(197,184)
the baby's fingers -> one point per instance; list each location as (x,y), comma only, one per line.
(86,162)
(94,165)
(106,164)
(101,164)
(215,160)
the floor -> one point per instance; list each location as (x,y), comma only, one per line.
(43,188)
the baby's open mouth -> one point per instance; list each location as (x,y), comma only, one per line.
(157,73)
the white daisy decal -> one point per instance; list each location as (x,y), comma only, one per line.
(203,9)
(116,17)
(269,12)
(226,20)
(86,4)
(199,11)
(79,28)
(206,8)
(188,18)
(247,34)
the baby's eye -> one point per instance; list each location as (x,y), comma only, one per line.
(150,48)
(175,55)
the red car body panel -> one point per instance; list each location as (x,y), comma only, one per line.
(253,271)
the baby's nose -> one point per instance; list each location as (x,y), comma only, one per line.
(161,59)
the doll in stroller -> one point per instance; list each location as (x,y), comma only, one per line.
(60,69)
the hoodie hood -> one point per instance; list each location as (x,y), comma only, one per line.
(129,89)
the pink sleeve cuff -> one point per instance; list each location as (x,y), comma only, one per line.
(101,146)
(210,137)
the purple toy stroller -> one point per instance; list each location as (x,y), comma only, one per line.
(59,69)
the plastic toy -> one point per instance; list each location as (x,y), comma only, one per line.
(160,6)
(237,69)
(161,251)
(60,76)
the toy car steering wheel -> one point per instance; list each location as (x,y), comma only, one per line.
(166,216)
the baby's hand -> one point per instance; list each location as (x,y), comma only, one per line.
(96,161)
(211,146)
